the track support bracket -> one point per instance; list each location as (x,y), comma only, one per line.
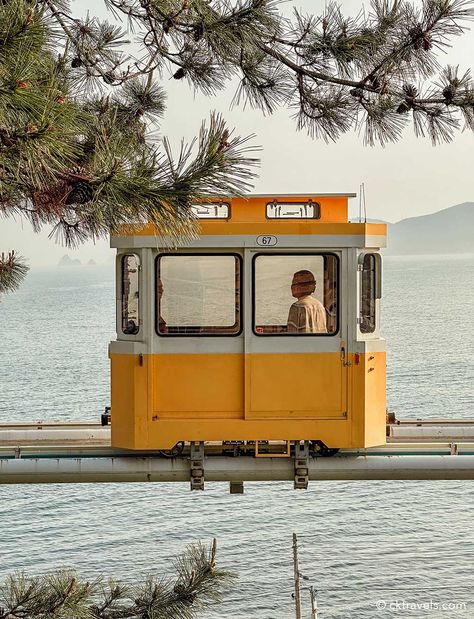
(236,487)
(197,466)
(301,465)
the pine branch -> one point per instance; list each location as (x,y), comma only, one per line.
(82,161)
(197,585)
(12,271)
(371,58)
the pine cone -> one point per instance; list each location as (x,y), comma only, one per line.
(85,30)
(403,108)
(180,73)
(417,34)
(410,91)
(198,31)
(167,25)
(358,93)
(449,93)
(89,145)
(5,139)
(51,199)
(78,173)
(81,192)
(224,141)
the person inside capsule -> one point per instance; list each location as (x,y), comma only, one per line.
(307,314)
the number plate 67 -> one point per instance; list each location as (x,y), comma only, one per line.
(267,240)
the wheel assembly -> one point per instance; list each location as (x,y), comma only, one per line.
(323,450)
(174,452)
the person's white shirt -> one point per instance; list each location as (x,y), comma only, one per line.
(307,315)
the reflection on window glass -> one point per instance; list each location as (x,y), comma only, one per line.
(198,294)
(368,294)
(130,294)
(296,294)
(220,210)
(293,210)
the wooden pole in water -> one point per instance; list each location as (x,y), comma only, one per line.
(297,577)
(314,608)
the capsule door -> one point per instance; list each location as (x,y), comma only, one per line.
(198,360)
(295,343)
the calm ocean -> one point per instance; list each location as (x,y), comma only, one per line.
(408,546)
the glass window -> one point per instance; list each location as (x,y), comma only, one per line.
(130,294)
(296,294)
(370,290)
(293,210)
(198,294)
(217,210)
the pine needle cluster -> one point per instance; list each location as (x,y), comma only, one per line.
(197,585)
(12,271)
(377,71)
(76,153)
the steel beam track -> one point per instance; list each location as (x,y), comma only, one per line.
(244,468)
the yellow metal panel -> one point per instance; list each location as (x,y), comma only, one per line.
(368,399)
(375,398)
(270,227)
(253,209)
(284,226)
(205,402)
(203,385)
(129,400)
(296,385)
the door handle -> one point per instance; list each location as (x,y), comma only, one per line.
(345,363)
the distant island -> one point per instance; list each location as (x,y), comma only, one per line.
(450,231)
(66,261)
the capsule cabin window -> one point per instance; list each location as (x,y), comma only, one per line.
(198,294)
(296,294)
(369,292)
(130,294)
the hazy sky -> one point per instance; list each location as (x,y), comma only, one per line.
(401,180)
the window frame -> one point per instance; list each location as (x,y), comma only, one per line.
(298,253)
(240,276)
(377,289)
(214,203)
(130,254)
(317,206)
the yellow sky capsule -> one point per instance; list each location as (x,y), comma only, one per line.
(267,327)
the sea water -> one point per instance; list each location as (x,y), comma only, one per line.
(370,549)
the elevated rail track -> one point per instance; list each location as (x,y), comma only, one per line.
(79,452)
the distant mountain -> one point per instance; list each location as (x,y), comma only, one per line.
(450,231)
(66,261)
